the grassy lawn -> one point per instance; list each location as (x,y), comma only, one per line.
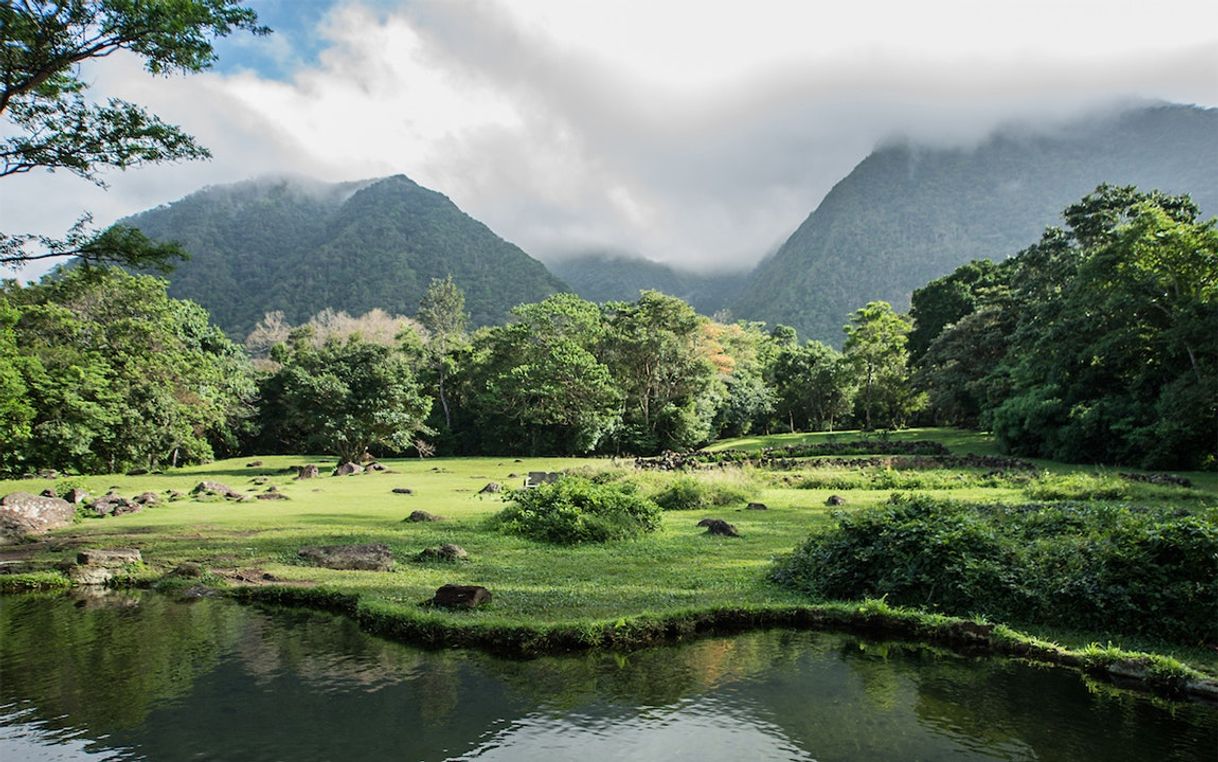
(678,568)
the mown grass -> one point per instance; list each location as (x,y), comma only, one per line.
(677,569)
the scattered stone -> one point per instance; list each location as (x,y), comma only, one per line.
(47,473)
(756,507)
(307,472)
(538,478)
(137,472)
(493,488)
(175,494)
(461,597)
(90,575)
(24,514)
(48,492)
(374,466)
(254,464)
(216,488)
(1170,480)
(447,552)
(189,569)
(347,469)
(147,498)
(76,495)
(835,500)
(518,460)
(719,527)
(272,496)
(113,505)
(403,491)
(271,488)
(513,475)
(109,557)
(259,480)
(417,516)
(370,557)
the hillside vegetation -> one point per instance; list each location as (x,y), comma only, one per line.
(909,213)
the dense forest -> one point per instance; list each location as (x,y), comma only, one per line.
(909,213)
(1098,343)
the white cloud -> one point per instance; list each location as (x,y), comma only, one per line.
(692,132)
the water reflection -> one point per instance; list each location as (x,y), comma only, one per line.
(132,676)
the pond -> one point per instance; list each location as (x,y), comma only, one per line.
(140,676)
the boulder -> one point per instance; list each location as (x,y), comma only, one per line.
(374,466)
(259,480)
(835,500)
(189,569)
(348,469)
(369,557)
(307,472)
(174,494)
(253,464)
(48,492)
(461,597)
(417,516)
(24,514)
(109,557)
(447,552)
(272,496)
(491,489)
(719,527)
(76,495)
(756,507)
(147,498)
(403,491)
(90,575)
(113,505)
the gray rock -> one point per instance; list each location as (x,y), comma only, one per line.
(447,552)
(113,505)
(403,491)
(719,527)
(253,464)
(461,597)
(348,469)
(109,557)
(417,516)
(272,496)
(147,498)
(374,466)
(76,495)
(756,507)
(491,489)
(216,488)
(370,557)
(835,500)
(90,575)
(48,492)
(307,472)
(24,514)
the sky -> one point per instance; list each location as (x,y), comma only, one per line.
(699,134)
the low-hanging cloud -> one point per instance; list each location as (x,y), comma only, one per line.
(703,148)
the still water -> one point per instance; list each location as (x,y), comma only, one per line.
(139,676)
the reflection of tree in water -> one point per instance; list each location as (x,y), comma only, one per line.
(100,663)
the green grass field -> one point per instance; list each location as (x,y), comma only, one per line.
(676,569)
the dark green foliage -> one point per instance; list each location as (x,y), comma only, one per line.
(116,375)
(300,247)
(876,350)
(688,493)
(944,301)
(908,214)
(600,277)
(575,510)
(1118,569)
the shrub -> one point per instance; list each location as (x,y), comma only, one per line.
(1118,569)
(688,493)
(575,510)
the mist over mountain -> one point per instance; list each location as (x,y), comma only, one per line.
(907,213)
(607,276)
(301,246)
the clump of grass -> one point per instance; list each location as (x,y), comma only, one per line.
(575,510)
(1100,486)
(30,581)
(689,492)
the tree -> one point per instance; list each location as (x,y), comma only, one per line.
(52,125)
(944,301)
(876,340)
(442,313)
(343,397)
(814,384)
(117,374)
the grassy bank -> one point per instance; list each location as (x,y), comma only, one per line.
(662,580)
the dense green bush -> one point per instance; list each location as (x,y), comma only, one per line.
(688,493)
(1147,571)
(575,510)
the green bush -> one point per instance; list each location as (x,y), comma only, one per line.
(688,493)
(1118,569)
(575,510)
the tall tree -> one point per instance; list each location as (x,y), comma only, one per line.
(442,313)
(876,346)
(50,123)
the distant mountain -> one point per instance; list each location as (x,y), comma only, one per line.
(301,246)
(908,214)
(604,277)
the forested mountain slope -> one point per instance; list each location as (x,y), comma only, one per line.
(605,277)
(302,246)
(908,214)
